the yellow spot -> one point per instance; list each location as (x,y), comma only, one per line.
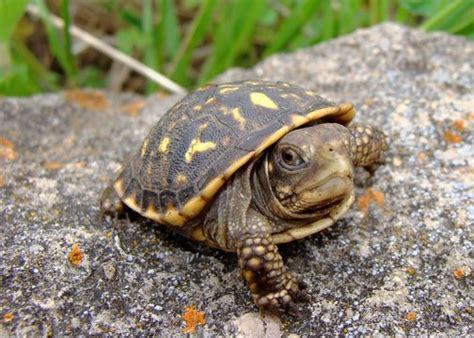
(211,100)
(238,117)
(311,93)
(181,179)
(197,107)
(197,146)
(118,186)
(260,99)
(226,140)
(228,90)
(164,144)
(143,150)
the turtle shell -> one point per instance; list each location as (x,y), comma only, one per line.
(206,137)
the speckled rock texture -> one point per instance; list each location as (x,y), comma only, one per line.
(400,262)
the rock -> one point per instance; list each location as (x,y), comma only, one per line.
(399,263)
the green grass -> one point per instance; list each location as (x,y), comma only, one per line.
(191,41)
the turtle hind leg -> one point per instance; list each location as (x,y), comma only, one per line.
(368,146)
(111,205)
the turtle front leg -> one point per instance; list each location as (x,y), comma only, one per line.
(368,145)
(273,288)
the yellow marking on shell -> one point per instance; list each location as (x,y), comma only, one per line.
(319,113)
(164,144)
(236,115)
(131,202)
(198,234)
(228,89)
(197,146)
(180,179)
(213,187)
(203,126)
(197,107)
(298,233)
(226,140)
(285,95)
(118,186)
(237,165)
(260,99)
(193,207)
(296,96)
(272,139)
(151,213)
(346,114)
(143,150)
(210,101)
(173,217)
(298,120)
(310,93)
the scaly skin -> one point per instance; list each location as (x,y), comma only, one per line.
(368,145)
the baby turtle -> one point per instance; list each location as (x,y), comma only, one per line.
(245,166)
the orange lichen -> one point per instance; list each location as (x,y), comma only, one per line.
(459,273)
(192,317)
(451,137)
(460,125)
(7,149)
(411,271)
(411,316)
(87,99)
(8,317)
(134,108)
(371,196)
(76,255)
(53,165)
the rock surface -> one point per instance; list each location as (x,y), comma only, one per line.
(401,262)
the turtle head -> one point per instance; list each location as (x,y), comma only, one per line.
(310,171)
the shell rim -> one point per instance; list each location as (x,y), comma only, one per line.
(342,113)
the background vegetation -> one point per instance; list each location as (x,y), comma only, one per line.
(189,41)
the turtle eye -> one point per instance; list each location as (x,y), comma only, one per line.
(290,158)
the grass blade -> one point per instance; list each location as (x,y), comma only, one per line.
(194,38)
(71,70)
(288,29)
(10,12)
(447,13)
